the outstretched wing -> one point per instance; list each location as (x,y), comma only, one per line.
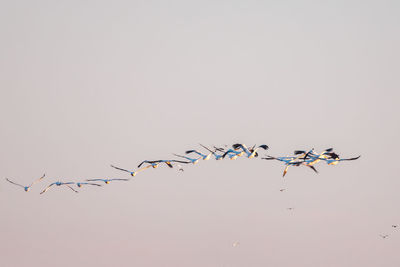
(117,179)
(47,188)
(93,180)
(351,158)
(119,168)
(38,180)
(180,161)
(15,183)
(207,149)
(70,187)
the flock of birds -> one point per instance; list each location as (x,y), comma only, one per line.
(300,158)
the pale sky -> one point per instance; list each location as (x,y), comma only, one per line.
(86,84)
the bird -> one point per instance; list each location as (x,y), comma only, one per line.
(290,208)
(192,160)
(252,152)
(106,181)
(217,157)
(203,156)
(27,188)
(283,189)
(384,236)
(59,184)
(132,173)
(395,226)
(235,244)
(83,183)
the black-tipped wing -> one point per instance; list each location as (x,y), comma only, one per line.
(70,187)
(15,183)
(352,158)
(312,168)
(118,169)
(207,149)
(94,180)
(265,147)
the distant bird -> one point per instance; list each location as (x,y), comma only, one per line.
(192,160)
(59,184)
(203,156)
(132,173)
(217,157)
(82,184)
(180,168)
(235,244)
(384,236)
(27,188)
(283,189)
(290,208)
(106,181)
(395,226)
(252,152)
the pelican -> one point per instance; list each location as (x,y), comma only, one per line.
(27,188)
(192,160)
(82,184)
(106,181)
(252,152)
(59,184)
(132,173)
(204,157)
(217,157)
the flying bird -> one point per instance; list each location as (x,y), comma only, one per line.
(106,181)
(384,236)
(27,188)
(59,184)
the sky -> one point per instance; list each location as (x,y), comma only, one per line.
(86,84)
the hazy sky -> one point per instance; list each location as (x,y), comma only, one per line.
(86,84)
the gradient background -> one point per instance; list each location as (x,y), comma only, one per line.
(85,84)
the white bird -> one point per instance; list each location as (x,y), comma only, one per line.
(59,184)
(27,188)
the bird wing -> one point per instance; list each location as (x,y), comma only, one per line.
(120,169)
(47,188)
(118,179)
(207,149)
(146,161)
(93,180)
(351,158)
(180,161)
(15,183)
(142,169)
(38,180)
(93,184)
(70,187)
(313,168)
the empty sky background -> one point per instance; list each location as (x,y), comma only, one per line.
(85,84)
